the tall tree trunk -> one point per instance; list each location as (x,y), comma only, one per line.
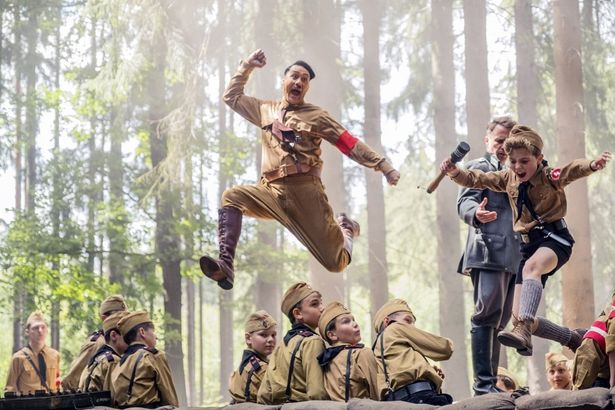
(190,211)
(17,56)
(116,227)
(450,284)
(527,89)
(376,224)
(167,239)
(225,296)
(92,192)
(30,67)
(527,78)
(322,49)
(577,279)
(476,71)
(55,206)
(267,289)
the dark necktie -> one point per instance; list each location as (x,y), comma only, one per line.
(42,368)
(522,199)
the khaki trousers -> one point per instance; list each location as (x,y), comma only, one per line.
(301,205)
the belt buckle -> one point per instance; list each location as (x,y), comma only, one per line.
(283,171)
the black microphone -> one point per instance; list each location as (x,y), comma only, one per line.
(462,149)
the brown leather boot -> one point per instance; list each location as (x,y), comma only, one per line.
(520,337)
(350,229)
(229,227)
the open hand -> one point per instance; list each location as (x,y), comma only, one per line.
(484,216)
(257,58)
(601,161)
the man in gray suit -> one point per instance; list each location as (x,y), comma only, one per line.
(491,258)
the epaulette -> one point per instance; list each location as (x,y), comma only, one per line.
(151,349)
(256,364)
(305,333)
(109,356)
(95,335)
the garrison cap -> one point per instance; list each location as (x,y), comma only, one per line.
(392,306)
(295,294)
(552,359)
(132,320)
(504,372)
(111,322)
(333,310)
(526,133)
(113,303)
(259,320)
(34,318)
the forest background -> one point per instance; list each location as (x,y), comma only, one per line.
(115,148)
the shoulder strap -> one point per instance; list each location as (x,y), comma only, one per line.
(387,379)
(291,369)
(246,390)
(347,378)
(134,372)
(38,372)
(88,379)
(255,366)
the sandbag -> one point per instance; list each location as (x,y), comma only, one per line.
(366,404)
(597,398)
(252,406)
(494,401)
(315,405)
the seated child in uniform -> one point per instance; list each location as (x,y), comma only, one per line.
(507,382)
(350,368)
(96,376)
(538,201)
(558,371)
(401,350)
(143,377)
(594,360)
(293,373)
(260,334)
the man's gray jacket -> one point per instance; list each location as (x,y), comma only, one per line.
(491,246)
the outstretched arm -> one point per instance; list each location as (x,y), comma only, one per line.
(358,151)
(601,161)
(234,97)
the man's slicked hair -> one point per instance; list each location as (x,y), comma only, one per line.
(304,65)
(505,121)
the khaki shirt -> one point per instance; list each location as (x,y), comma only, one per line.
(251,371)
(363,375)
(307,379)
(23,376)
(152,382)
(406,349)
(95,341)
(546,191)
(97,375)
(310,122)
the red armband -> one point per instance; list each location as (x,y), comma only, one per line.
(346,142)
(597,332)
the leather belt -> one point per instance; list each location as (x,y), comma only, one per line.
(291,170)
(409,389)
(551,226)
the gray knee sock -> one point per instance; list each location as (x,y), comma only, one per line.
(531,292)
(549,330)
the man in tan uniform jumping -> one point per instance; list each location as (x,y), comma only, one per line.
(290,189)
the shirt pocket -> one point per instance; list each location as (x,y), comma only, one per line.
(301,128)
